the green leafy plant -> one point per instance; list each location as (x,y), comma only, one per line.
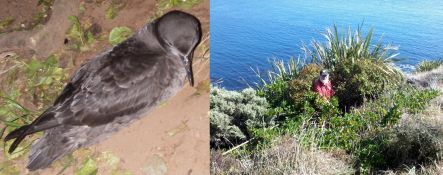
(35,81)
(119,34)
(89,167)
(79,38)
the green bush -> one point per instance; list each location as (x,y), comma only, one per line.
(363,79)
(233,114)
(275,88)
(428,65)
(360,69)
(303,82)
(380,134)
(412,142)
(364,132)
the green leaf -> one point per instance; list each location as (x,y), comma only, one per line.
(33,67)
(119,34)
(89,168)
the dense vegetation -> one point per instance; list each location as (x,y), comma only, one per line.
(372,121)
(429,65)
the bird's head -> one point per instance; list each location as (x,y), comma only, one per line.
(180,33)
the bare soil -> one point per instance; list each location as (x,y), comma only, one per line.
(20,11)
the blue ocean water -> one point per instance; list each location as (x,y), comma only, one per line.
(246,34)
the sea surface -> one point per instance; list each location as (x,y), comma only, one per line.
(246,34)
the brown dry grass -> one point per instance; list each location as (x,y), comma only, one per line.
(287,157)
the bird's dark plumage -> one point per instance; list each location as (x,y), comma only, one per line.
(115,88)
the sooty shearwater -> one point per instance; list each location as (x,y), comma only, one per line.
(115,88)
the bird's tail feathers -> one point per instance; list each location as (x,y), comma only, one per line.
(42,155)
(45,121)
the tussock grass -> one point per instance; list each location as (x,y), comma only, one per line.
(350,46)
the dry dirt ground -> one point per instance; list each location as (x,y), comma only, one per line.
(173,139)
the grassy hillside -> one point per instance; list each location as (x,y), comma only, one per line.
(378,122)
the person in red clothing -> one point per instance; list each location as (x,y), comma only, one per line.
(323,86)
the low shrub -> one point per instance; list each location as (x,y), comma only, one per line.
(302,84)
(414,141)
(274,87)
(363,79)
(428,65)
(233,114)
(385,140)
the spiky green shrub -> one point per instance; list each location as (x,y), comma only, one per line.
(233,113)
(428,65)
(350,46)
(360,69)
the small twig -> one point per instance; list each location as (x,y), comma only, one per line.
(236,147)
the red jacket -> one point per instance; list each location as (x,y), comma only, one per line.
(325,90)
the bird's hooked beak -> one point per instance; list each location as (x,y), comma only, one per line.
(188,66)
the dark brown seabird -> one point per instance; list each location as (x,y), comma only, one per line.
(115,88)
